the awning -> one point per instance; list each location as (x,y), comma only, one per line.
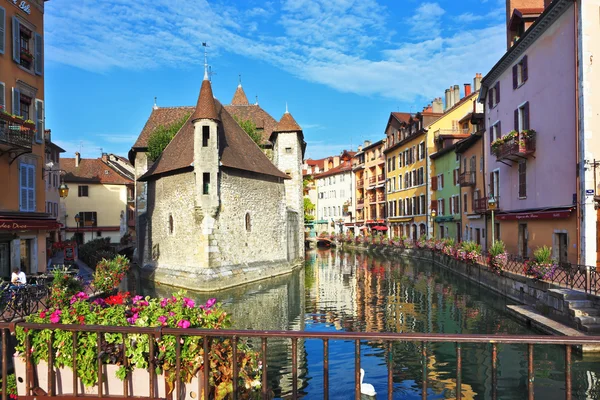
(380,228)
(560,213)
(23,224)
(94,229)
(405,219)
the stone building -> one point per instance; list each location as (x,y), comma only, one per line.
(214,211)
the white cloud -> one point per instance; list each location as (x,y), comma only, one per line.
(495,14)
(324,41)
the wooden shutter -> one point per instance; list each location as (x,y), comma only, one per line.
(2,96)
(39,119)
(433,205)
(442,183)
(490,99)
(523,179)
(515,72)
(526,116)
(454,177)
(443,206)
(491,140)
(517,120)
(16,101)
(434,182)
(2,30)
(16,36)
(39,54)
(492,194)
(524,71)
(499,128)
(497,86)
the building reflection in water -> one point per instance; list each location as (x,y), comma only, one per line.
(340,291)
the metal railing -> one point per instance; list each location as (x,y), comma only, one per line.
(360,183)
(481,205)
(262,338)
(516,148)
(380,177)
(467,178)
(16,136)
(372,180)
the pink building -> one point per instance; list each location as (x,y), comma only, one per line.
(531,148)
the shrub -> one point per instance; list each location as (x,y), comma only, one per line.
(95,250)
(110,273)
(63,287)
(497,257)
(542,266)
(11,386)
(162,136)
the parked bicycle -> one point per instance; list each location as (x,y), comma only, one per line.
(22,300)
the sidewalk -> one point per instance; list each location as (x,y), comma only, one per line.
(85,272)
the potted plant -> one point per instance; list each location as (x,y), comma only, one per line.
(29,124)
(497,256)
(542,266)
(26,55)
(177,311)
(469,251)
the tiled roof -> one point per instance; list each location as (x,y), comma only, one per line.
(528,11)
(92,170)
(253,112)
(287,123)
(205,108)
(402,116)
(237,150)
(239,97)
(160,116)
(344,167)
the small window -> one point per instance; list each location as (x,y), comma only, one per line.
(105,172)
(83,191)
(99,234)
(522,179)
(288,150)
(248,223)
(170,224)
(205,182)
(205,135)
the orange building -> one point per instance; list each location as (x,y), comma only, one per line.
(24,223)
(369,172)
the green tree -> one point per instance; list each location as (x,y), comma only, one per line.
(162,136)
(309,208)
(250,128)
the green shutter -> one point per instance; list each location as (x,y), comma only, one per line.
(2,30)
(16,36)
(16,101)
(39,119)
(39,54)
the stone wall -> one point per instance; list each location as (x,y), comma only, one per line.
(141,223)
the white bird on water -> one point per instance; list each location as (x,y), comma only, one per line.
(366,388)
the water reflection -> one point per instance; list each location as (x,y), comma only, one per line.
(340,291)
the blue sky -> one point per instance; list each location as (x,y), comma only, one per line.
(341,65)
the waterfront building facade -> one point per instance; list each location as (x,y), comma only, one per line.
(24,220)
(452,126)
(534,143)
(335,188)
(213,188)
(52,177)
(100,199)
(369,169)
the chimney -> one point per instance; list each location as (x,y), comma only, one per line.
(367,143)
(359,147)
(438,105)
(336,161)
(105,157)
(446,99)
(428,109)
(456,94)
(477,82)
(452,100)
(467,89)
(77,159)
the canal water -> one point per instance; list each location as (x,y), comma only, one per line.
(357,292)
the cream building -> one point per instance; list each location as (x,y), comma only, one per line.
(101,195)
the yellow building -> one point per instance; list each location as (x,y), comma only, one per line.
(406,162)
(100,201)
(368,165)
(453,126)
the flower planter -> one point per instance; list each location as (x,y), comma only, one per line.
(137,382)
(29,125)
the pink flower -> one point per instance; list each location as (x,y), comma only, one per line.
(189,303)
(79,296)
(164,302)
(55,317)
(183,323)
(43,314)
(132,319)
(163,320)
(137,298)
(171,314)
(210,303)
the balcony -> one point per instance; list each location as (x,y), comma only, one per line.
(372,180)
(380,178)
(360,183)
(380,197)
(481,206)
(16,137)
(514,147)
(360,202)
(466,178)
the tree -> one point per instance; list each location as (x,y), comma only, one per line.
(162,136)
(250,128)
(309,208)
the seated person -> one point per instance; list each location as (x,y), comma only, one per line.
(22,278)
(18,277)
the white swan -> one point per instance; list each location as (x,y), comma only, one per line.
(366,388)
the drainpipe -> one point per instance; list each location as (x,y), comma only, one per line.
(427,198)
(577,137)
(484,170)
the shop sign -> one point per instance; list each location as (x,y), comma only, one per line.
(12,225)
(22,5)
(535,215)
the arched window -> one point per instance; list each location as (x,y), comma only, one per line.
(170,224)
(248,223)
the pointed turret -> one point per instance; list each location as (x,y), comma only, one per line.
(205,108)
(239,98)
(287,123)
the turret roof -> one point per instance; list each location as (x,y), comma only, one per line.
(239,97)
(205,108)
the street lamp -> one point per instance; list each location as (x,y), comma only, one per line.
(492,206)
(433,214)
(77,219)
(63,190)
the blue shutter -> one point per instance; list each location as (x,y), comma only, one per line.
(2,30)
(31,187)
(39,53)
(23,187)
(16,101)
(16,31)
(2,96)
(39,119)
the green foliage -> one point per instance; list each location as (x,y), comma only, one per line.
(543,255)
(162,136)
(470,246)
(95,250)
(63,287)
(177,311)
(250,128)
(11,386)
(110,273)
(497,248)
